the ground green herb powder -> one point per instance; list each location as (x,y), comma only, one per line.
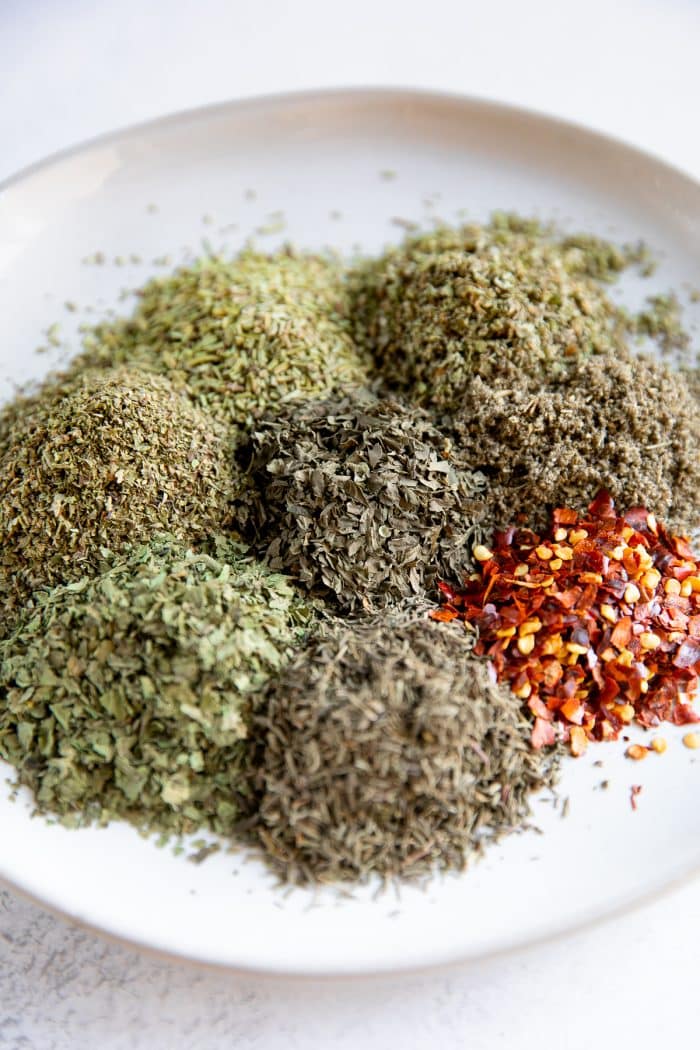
(127,694)
(242,337)
(387,748)
(103,461)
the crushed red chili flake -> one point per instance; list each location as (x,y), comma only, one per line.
(635,791)
(594,625)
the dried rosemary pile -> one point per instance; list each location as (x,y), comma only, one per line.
(242,337)
(126,694)
(364,503)
(387,749)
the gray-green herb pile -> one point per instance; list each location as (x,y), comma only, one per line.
(364,504)
(126,694)
(624,424)
(388,749)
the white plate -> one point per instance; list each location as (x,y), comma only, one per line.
(313,155)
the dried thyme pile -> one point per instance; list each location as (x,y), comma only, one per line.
(127,694)
(242,337)
(362,503)
(104,461)
(510,299)
(388,749)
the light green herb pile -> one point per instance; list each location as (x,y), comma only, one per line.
(126,695)
(242,337)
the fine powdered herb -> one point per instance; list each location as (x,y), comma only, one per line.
(388,749)
(104,461)
(362,503)
(512,299)
(243,336)
(126,695)
(625,424)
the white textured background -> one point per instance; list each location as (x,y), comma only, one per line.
(70,69)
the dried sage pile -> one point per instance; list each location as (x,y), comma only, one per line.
(104,461)
(127,694)
(362,503)
(388,749)
(242,337)
(627,425)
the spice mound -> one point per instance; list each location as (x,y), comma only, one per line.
(362,503)
(127,695)
(388,750)
(242,337)
(508,299)
(594,625)
(103,462)
(622,423)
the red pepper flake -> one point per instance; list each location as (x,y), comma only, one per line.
(635,790)
(609,636)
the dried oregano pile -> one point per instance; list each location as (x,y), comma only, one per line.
(360,430)
(363,502)
(243,337)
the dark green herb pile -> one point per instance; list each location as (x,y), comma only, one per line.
(365,504)
(103,461)
(127,694)
(388,749)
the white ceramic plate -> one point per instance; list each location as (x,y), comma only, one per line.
(312,156)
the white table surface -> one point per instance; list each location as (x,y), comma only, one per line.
(70,69)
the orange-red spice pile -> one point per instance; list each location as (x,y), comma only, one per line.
(595,625)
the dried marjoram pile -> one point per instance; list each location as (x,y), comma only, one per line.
(242,337)
(362,503)
(626,424)
(126,695)
(387,749)
(510,299)
(103,461)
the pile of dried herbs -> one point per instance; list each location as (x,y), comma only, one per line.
(363,503)
(512,299)
(365,429)
(102,461)
(388,749)
(242,337)
(127,694)
(625,424)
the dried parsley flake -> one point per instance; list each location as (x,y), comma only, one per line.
(126,695)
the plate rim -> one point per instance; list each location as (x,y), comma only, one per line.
(381,95)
